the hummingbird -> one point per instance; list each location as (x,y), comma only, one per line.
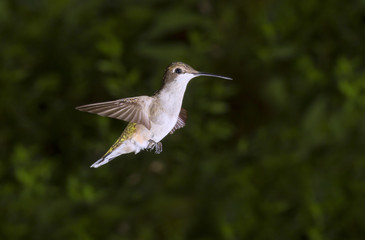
(150,118)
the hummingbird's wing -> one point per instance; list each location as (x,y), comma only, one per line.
(181,120)
(127,109)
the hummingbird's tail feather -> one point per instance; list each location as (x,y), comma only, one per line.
(120,147)
(101,162)
(123,148)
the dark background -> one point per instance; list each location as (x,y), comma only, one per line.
(278,153)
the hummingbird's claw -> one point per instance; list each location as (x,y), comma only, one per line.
(154,145)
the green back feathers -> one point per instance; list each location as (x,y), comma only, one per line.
(127,133)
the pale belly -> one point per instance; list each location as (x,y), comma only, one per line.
(163,117)
(161,129)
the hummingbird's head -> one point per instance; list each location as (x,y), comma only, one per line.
(181,72)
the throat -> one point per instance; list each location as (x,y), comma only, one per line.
(170,93)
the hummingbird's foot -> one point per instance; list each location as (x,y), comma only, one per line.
(154,145)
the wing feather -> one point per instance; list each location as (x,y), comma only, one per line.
(181,120)
(126,109)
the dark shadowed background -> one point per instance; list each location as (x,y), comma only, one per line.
(278,153)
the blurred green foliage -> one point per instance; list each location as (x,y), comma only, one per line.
(276,154)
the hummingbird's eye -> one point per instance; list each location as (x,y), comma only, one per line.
(178,70)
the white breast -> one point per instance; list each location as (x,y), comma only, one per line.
(164,117)
(166,108)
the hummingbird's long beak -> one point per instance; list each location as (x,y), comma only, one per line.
(211,75)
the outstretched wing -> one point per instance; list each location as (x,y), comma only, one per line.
(181,120)
(127,109)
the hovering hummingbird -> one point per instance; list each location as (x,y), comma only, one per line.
(150,118)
